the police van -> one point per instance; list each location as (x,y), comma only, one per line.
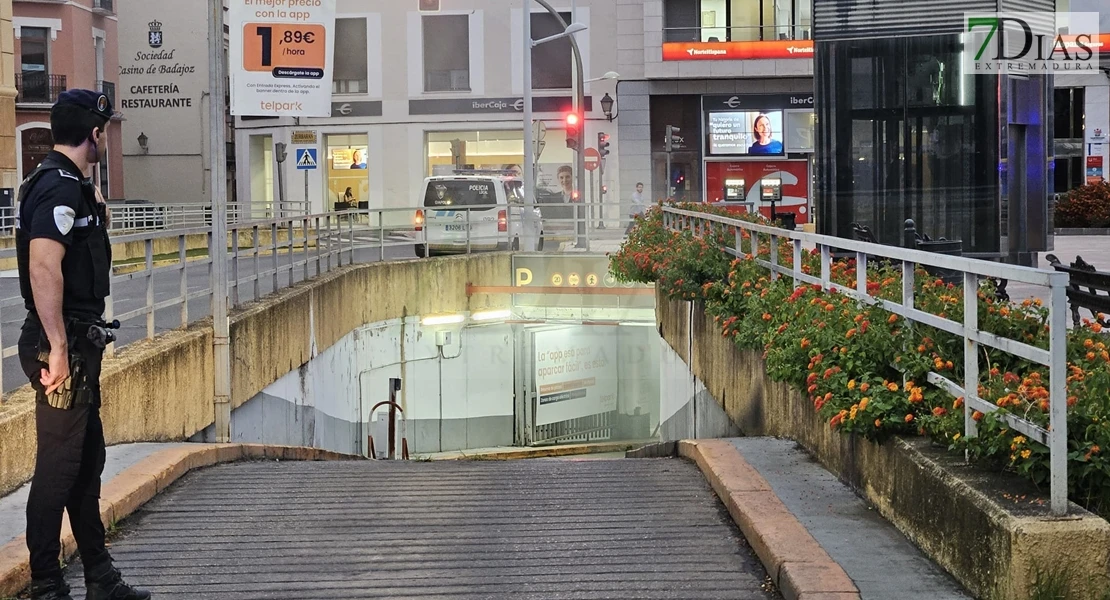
(488,208)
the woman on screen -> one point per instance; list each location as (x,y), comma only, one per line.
(764,144)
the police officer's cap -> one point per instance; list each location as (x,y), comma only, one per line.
(96,102)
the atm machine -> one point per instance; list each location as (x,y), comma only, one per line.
(735,196)
(770,190)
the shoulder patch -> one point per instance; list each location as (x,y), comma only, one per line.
(63,219)
(69,175)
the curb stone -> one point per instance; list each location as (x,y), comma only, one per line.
(797,564)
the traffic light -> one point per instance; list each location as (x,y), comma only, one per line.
(573,132)
(672,139)
(603,144)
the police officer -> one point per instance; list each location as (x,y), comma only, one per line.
(64,259)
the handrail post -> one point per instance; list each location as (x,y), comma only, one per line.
(381,235)
(971,351)
(1058,393)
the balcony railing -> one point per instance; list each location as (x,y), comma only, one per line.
(756,33)
(39,87)
(108,89)
(104,5)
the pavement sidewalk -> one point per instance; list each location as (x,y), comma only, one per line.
(879,559)
(13,507)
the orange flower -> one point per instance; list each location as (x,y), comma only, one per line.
(850,333)
(1089,343)
(1096,328)
(852,384)
(976,416)
(939,411)
(892,387)
(909,418)
(805,343)
(863,403)
(767,316)
(893,319)
(958,403)
(878,423)
(864,387)
(908,386)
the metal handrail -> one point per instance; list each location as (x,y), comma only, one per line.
(308,245)
(1055,358)
(38,87)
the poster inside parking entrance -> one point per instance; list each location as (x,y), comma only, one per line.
(280,57)
(576,373)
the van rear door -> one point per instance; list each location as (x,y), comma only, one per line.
(446,204)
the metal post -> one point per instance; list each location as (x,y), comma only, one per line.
(381,236)
(274,253)
(257,272)
(149,263)
(1058,393)
(394,387)
(529,152)
(797,258)
(217,155)
(579,101)
(182,257)
(670,194)
(971,350)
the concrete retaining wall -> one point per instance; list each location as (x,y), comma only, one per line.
(161,389)
(960,516)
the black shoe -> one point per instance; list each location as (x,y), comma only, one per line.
(106,583)
(50,589)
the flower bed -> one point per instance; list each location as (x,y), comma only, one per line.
(865,370)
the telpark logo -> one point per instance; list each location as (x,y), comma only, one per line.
(1031,43)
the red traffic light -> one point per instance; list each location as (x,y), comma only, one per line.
(572,119)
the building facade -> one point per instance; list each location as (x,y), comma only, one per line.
(736,78)
(164,99)
(419,93)
(9,177)
(60,46)
(1081,106)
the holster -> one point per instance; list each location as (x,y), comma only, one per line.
(75,390)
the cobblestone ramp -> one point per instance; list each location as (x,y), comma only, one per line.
(541,529)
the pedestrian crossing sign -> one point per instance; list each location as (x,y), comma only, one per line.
(306,158)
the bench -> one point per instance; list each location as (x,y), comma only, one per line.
(1096,298)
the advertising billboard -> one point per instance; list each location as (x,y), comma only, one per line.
(746,132)
(280,57)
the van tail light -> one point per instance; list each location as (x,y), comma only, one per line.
(502,221)
(418,221)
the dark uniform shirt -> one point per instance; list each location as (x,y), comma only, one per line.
(56,203)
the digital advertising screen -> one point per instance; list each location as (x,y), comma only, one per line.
(748,132)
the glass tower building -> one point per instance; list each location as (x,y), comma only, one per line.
(903,132)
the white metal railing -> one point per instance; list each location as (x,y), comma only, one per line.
(1055,358)
(274,250)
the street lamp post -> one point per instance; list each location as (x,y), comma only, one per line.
(579,94)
